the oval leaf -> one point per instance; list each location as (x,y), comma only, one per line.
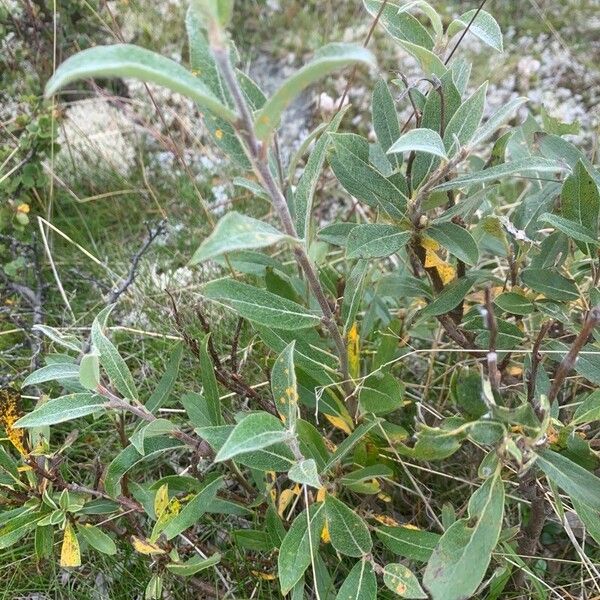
(65,408)
(237,232)
(361,583)
(260,306)
(376,240)
(253,432)
(349,533)
(420,140)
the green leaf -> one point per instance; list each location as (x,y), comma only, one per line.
(376,240)
(150,429)
(381,393)
(361,583)
(253,432)
(588,411)
(352,167)
(419,140)
(165,386)
(450,297)
(278,457)
(514,303)
(570,228)
(337,233)
(353,296)
(110,359)
(461,558)
(18,527)
(284,386)
(89,371)
(350,442)
(590,518)
(54,372)
(349,533)
(457,240)
(464,123)
(499,118)
(580,203)
(401,25)
(484,27)
(194,509)
(532,164)
(127,60)
(407,542)
(129,457)
(430,12)
(260,306)
(328,59)
(550,283)
(97,539)
(305,472)
(299,545)
(237,232)
(579,483)
(64,408)
(402,581)
(385,119)
(218,11)
(194,565)
(307,184)
(210,388)
(68,341)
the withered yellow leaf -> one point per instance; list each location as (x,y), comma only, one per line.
(264,576)
(445,270)
(70,556)
(10,413)
(354,351)
(386,520)
(339,423)
(144,546)
(285,498)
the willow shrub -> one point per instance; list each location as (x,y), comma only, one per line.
(479,245)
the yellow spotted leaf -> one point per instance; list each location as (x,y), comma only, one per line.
(70,556)
(321,494)
(161,500)
(10,413)
(354,351)
(325,537)
(144,546)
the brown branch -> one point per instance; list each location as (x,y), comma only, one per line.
(568,362)
(226,377)
(536,359)
(492,355)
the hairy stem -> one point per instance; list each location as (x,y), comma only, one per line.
(257,153)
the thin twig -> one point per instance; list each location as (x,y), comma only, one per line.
(128,280)
(365,44)
(568,362)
